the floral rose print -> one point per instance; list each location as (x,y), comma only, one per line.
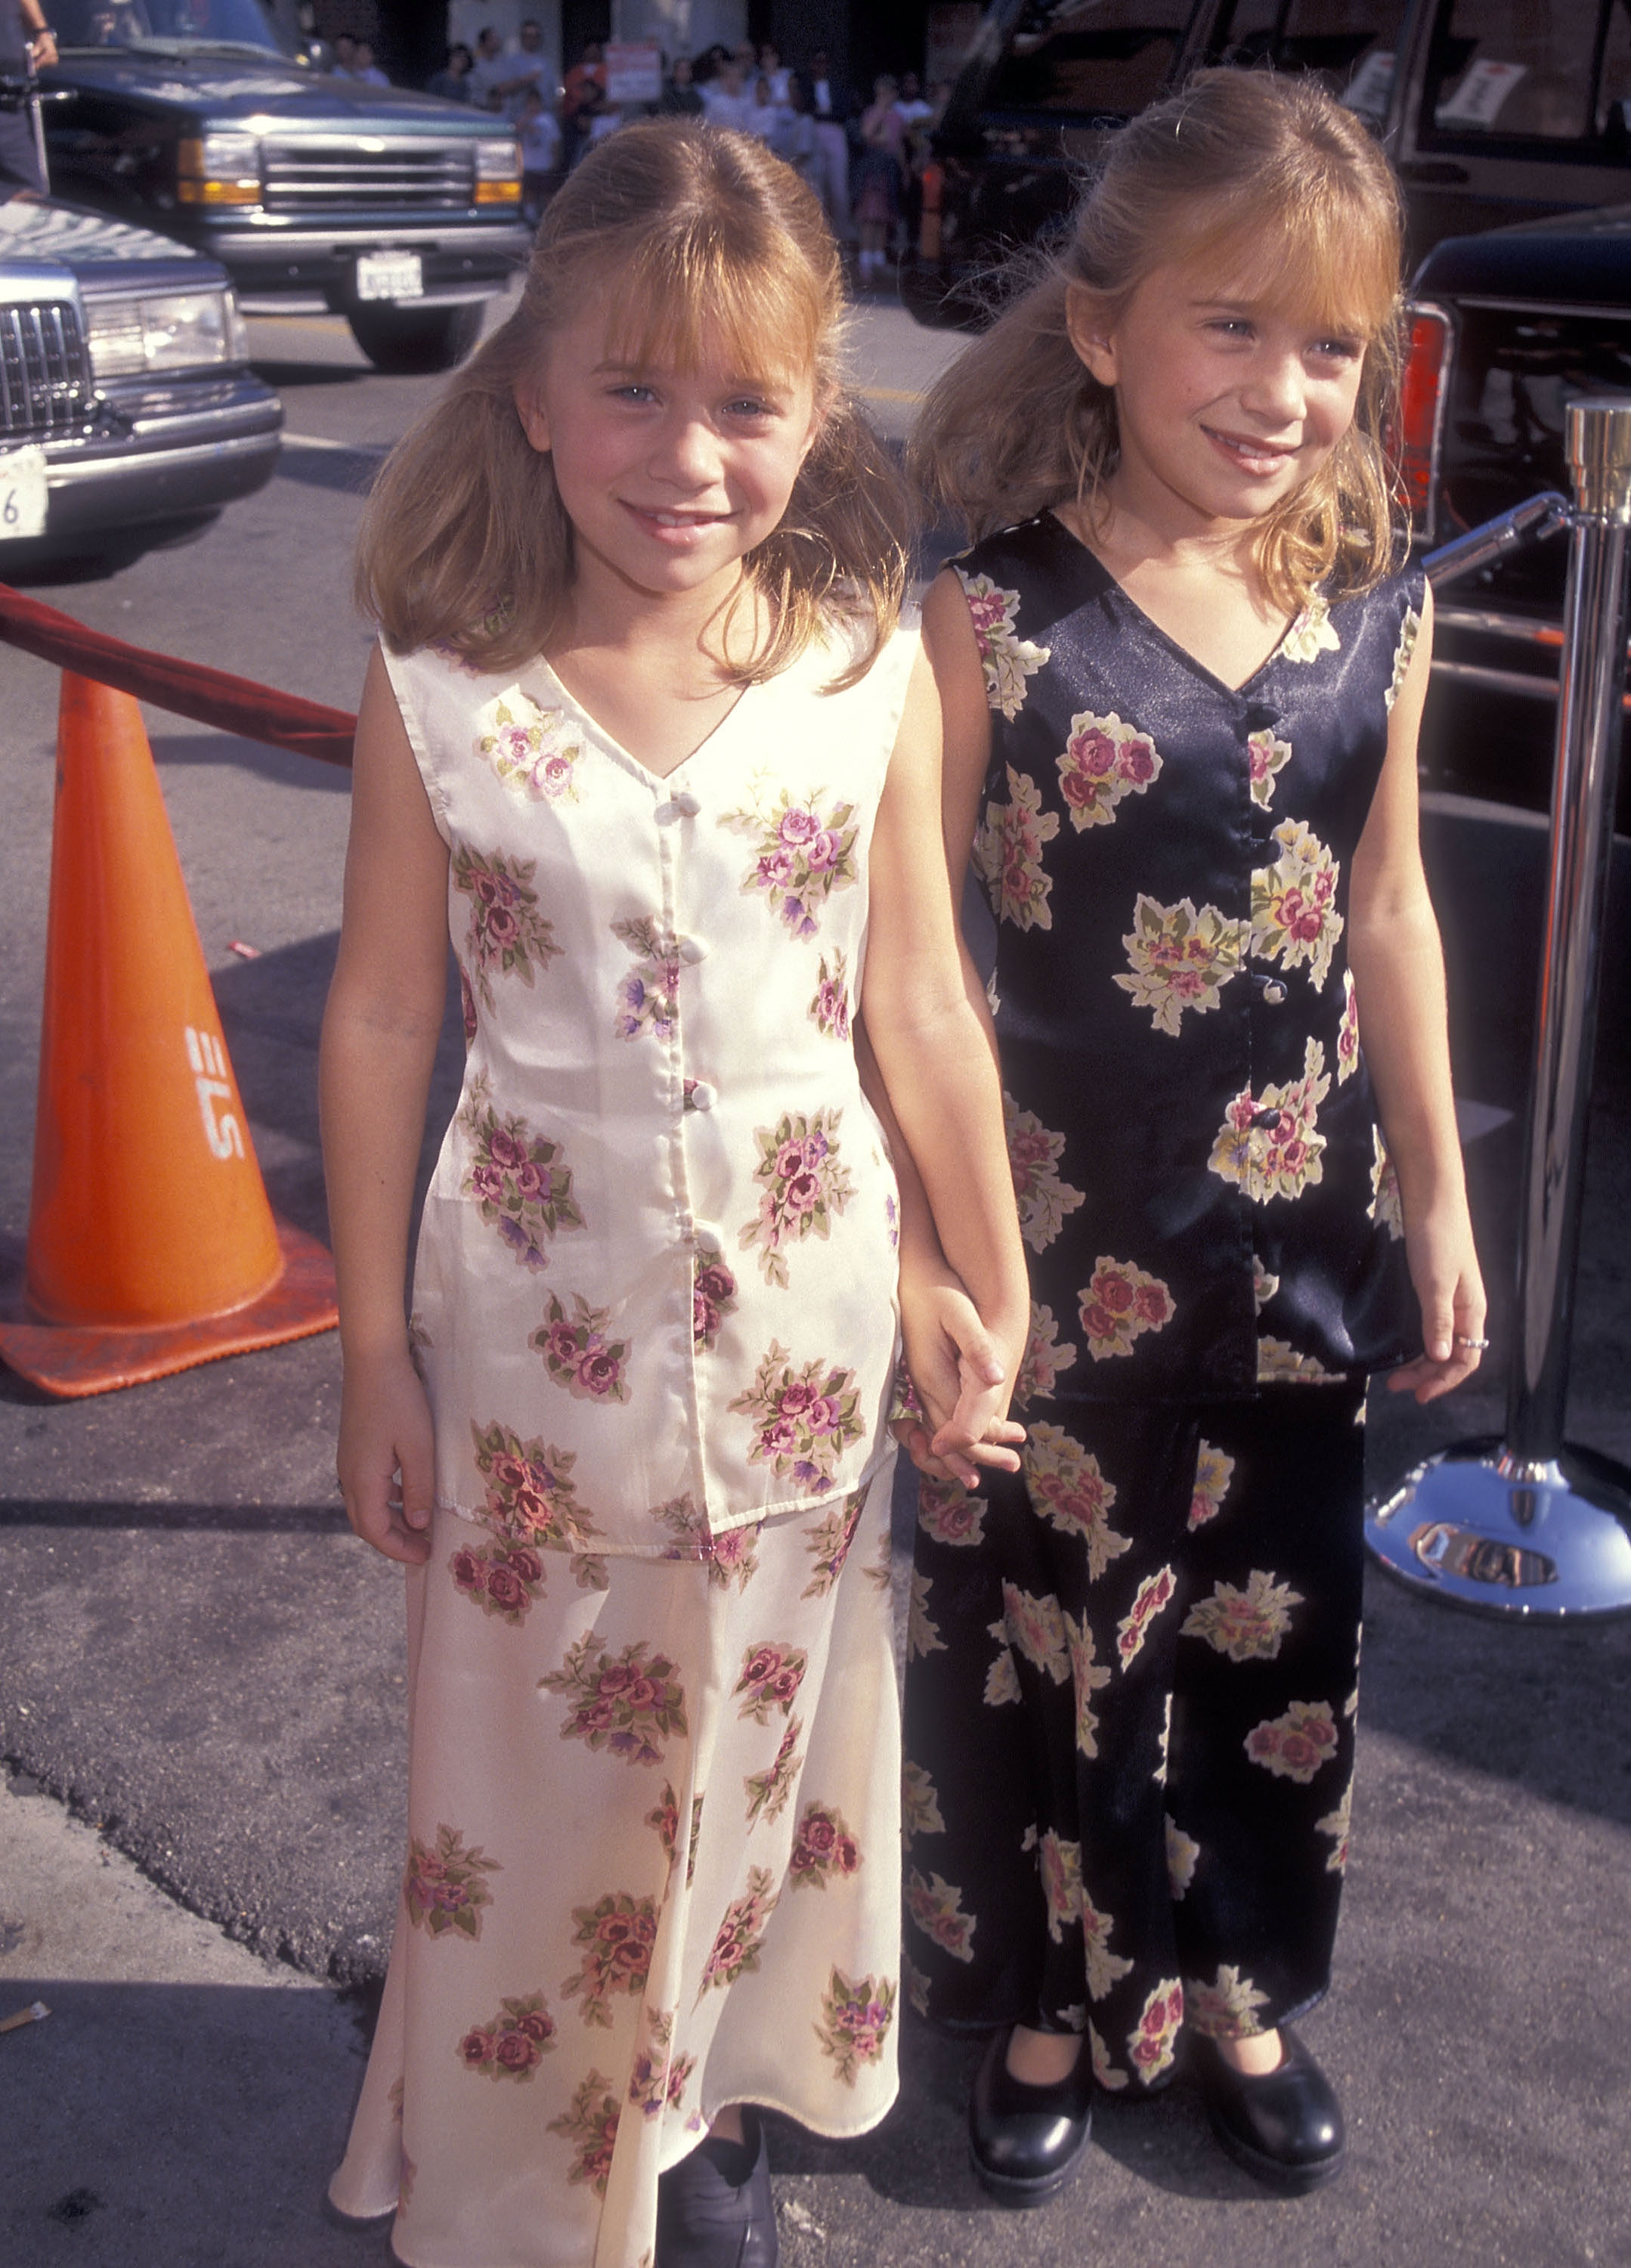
(736,1945)
(1103,762)
(1293,916)
(504,1579)
(771,1677)
(1246,1625)
(1164,1742)
(531,1496)
(534,750)
(628,1703)
(1035,1628)
(922,1634)
(617,1934)
(1264,1285)
(1226,2009)
(1119,1304)
(729,1554)
(1033,1154)
(1386,1207)
(1267,1144)
(1182,1852)
(1150,2042)
(1088,1674)
(1311,634)
(936,1908)
(1179,959)
(1266,756)
(768,1791)
(803,855)
(1002,1684)
(828,1543)
(1104,2072)
(665,1818)
(507,932)
(1103,1968)
(1213,1471)
(1338,1825)
(1065,1477)
(1294,1746)
(823,1849)
(829,1008)
(590,2127)
(949,1513)
(713,1296)
(1279,1359)
(855,2017)
(648,998)
(1061,1866)
(804,1419)
(520,1181)
(1045,1357)
(1152,1595)
(920,1805)
(916,1987)
(512,2043)
(1348,1031)
(466,1009)
(804,1183)
(443,1887)
(580,1355)
(1006,660)
(1409,631)
(658,2080)
(1007,854)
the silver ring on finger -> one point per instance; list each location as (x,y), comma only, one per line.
(1463,1340)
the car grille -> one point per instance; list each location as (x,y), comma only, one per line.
(407,177)
(45,372)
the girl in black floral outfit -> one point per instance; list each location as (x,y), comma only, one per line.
(1181,684)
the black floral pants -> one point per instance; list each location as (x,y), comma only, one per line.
(1131,1691)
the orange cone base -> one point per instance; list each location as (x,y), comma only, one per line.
(71,1359)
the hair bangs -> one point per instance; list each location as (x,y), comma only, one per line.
(1330,259)
(705,298)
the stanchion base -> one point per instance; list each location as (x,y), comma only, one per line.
(1473,1526)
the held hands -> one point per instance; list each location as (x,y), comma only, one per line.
(386,1457)
(1443,1268)
(964,1377)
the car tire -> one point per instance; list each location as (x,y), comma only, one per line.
(404,340)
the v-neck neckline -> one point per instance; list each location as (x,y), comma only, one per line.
(565,697)
(1175,646)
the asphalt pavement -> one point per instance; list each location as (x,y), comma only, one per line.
(200,1672)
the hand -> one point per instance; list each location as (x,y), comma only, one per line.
(964,1377)
(1443,1268)
(387,1458)
(42,48)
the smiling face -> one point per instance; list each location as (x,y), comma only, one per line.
(1228,398)
(670,469)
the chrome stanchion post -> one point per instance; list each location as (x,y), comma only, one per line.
(1531,1525)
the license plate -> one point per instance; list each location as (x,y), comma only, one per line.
(22,493)
(390,276)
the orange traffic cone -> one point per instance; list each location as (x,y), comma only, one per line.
(152,1245)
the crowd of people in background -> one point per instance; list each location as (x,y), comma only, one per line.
(863,159)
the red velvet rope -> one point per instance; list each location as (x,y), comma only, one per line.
(186,688)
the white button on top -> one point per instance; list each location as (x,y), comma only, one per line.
(690,952)
(1274,993)
(701,1096)
(678,806)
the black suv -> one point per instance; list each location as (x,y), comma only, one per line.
(316,194)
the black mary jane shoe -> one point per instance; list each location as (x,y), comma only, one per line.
(706,2221)
(1023,2141)
(1284,2126)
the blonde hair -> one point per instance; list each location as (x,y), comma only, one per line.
(1250,172)
(701,242)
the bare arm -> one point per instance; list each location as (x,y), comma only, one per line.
(934,1056)
(1399,978)
(380,1036)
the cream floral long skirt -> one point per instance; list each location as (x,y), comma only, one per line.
(653,1869)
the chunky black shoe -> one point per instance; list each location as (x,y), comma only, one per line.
(1024,2140)
(1286,2126)
(704,2219)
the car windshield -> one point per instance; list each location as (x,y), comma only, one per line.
(1108,56)
(1348,44)
(167,27)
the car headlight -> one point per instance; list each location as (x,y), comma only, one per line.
(218,169)
(498,172)
(169,330)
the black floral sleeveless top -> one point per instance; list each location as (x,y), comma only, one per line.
(1202,1184)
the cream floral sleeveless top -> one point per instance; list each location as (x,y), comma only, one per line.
(655,1291)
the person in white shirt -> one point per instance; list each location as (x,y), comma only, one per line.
(541,169)
(766,116)
(489,68)
(527,69)
(363,68)
(725,100)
